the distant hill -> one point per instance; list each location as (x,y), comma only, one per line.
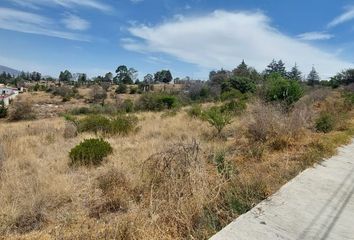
(8,70)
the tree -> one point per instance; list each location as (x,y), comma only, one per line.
(276,67)
(346,77)
(278,88)
(218,77)
(243,84)
(149,79)
(65,76)
(313,78)
(164,76)
(295,74)
(35,76)
(241,70)
(82,78)
(125,75)
(108,77)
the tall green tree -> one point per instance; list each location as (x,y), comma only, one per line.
(82,78)
(313,78)
(125,75)
(164,76)
(295,73)
(219,77)
(108,77)
(241,70)
(65,76)
(276,67)
(35,76)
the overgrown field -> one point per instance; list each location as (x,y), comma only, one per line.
(174,174)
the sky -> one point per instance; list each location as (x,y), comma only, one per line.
(189,37)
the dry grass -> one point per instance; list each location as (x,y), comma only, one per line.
(170,180)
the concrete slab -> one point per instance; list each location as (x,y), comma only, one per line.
(318,204)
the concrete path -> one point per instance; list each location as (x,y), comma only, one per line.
(317,204)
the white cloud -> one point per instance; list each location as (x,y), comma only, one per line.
(26,22)
(311,36)
(95,4)
(345,17)
(74,22)
(223,39)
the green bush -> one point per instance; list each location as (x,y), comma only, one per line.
(90,152)
(80,110)
(94,123)
(128,106)
(157,102)
(168,102)
(280,89)
(3,110)
(123,125)
(243,84)
(234,107)
(231,94)
(121,89)
(217,118)
(325,123)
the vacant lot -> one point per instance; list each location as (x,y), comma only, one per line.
(172,177)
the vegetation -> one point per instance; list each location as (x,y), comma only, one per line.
(217,118)
(90,152)
(21,110)
(3,110)
(170,179)
(121,125)
(325,123)
(280,89)
(157,102)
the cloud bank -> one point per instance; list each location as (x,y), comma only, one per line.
(223,39)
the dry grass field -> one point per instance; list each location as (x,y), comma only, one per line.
(172,179)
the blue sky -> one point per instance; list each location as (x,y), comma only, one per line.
(189,37)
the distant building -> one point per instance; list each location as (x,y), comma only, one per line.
(8,93)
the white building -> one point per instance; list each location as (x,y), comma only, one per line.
(7,94)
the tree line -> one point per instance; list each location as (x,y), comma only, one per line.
(129,76)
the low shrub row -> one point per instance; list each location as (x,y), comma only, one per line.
(120,125)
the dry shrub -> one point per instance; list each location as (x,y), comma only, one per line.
(179,189)
(266,122)
(29,220)
(318,95)
(70,130)
(245,192)
(116,191)
(21,110)
(270,124)
(350,87)
(302,116)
